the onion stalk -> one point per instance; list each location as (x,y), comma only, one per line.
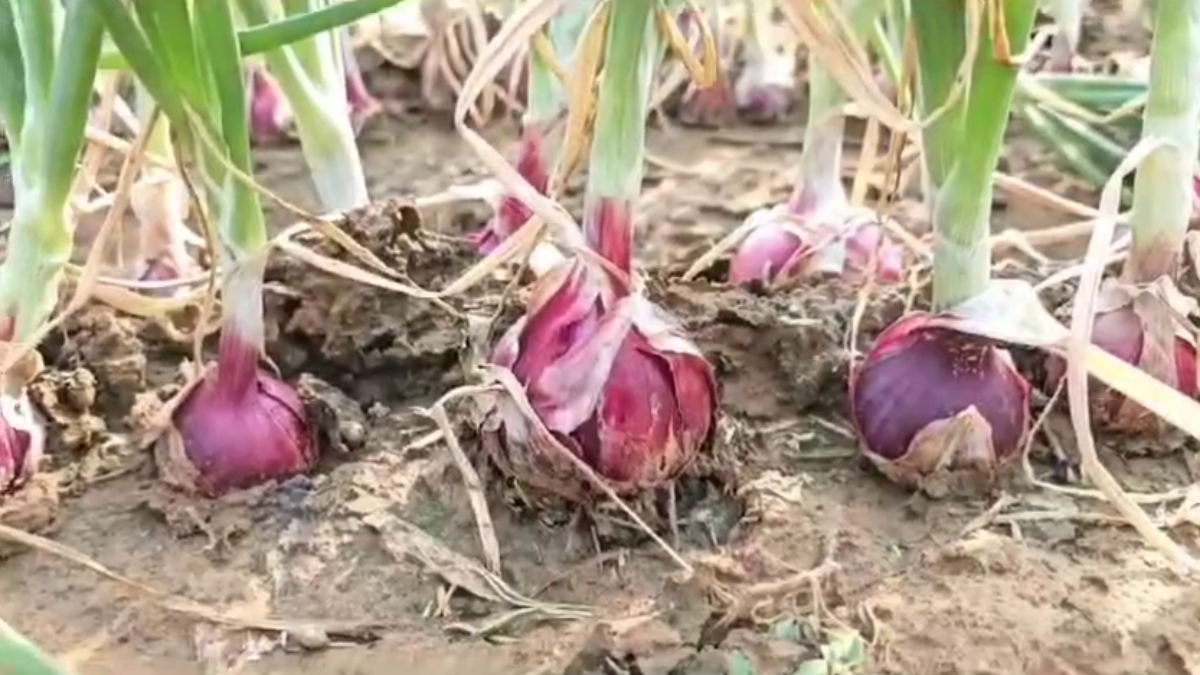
(973,409)
(241,425)
(48,60)
(541,133)
(607,374)
(1138,316)
(271,117)
(817,230)
(313,76)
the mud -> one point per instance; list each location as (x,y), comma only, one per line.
(373,565)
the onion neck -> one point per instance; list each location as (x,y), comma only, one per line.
(242,328)
(39,248)
(311,74)
(819,185)
(1162,193)
(962,204)
(633,50)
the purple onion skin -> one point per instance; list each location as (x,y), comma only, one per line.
(766,104)
(1120,333)
(921,376)
(511,215)
(270,116)
(768,253)
(608,227)
(871,242)
(773,253)
(657,408)
(18,457)
(240,427)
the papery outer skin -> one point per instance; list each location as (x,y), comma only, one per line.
(769,252)
(657,406)
(270,115)
(870,241)
(22,435)
(1120,333)
(608,227)
(241,426)
(160,204)
(765,89)
(774,252)
(511,214)
(921,373)
(19,456)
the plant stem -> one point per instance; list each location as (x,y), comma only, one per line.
(12,74)
(242,327)
(940,27)
(241,221)
(39,247)
(1162,189)
(820,182)
(44,167)
(271,36)
(963,203)
(312,78)
(633,50)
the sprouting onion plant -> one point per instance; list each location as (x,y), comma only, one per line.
(542,124)
(606,374)
(972,411)
(818,230)
(313,76)
(240,425)
(1140,315)
(271,117)
(48,59)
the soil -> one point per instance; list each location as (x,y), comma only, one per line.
(372,565)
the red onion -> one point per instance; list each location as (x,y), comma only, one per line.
(21,443)
(1120,332)
(241,426)
(785,244)
(511,213)
(270,113)
(609,378)
(765,88)
(929,397)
